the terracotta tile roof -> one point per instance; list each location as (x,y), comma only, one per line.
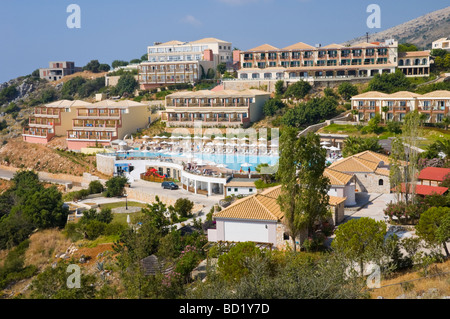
(68,104)
(265,47)
(426,190)
(413,54)
(173,42)
(334,201)
(434,173)
(262,206)
(403,94)
(373,157)
(337,178)
(438,93)
(240,184)
(370,94)
(382,171)
(355,165)
(333,46)
(299,46)
(209,40)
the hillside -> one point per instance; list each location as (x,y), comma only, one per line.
(421,31)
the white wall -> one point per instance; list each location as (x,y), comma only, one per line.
(240,190)
(246,231)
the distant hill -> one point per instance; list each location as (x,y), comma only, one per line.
(421,31)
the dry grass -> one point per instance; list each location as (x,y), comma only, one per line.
(44,245)
(416,287)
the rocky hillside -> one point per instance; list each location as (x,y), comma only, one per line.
(421,31)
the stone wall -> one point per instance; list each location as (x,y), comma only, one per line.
(283,244)
(369,182)
(105,164)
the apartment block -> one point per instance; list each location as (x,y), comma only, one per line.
(302,61)
(414,63)
(58,70)
(102,122)
(394,107)
(86,124)
(214,108)
(182,62)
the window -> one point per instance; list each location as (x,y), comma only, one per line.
(285,236)
(380,182)
(250,190)
(229,189)
(235,189)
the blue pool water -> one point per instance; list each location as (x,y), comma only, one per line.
(231,161)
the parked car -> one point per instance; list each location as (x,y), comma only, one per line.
(169,185)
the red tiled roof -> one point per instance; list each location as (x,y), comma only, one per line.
(433,173)
(426,190)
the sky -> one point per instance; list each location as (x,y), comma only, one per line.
(34,32)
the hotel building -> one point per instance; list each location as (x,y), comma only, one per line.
(51,120)
(182,62)
(86,124)
(302,61)
(435,105)
(214,108)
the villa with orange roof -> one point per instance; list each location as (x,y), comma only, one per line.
(303,61)
(258,218)
(434,105)
(415,63)
(370,170)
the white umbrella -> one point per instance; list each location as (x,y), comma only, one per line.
(333,148)
(261,139)
(221,166)
(164,137)
(220,144)
(174,137)
(122,143)
(197,138)
(253,145)
(186,138)
(246,165)
(325,143)
(163,142)
(205,138)
(326,147)
(244,139)
(145,136)
(156,136)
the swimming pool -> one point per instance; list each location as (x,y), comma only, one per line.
(232,161)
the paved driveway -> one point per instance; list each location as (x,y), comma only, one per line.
(372,205)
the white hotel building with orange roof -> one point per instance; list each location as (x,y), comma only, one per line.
(434,105)
(303,61)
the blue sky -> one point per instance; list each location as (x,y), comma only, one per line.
(34,32)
